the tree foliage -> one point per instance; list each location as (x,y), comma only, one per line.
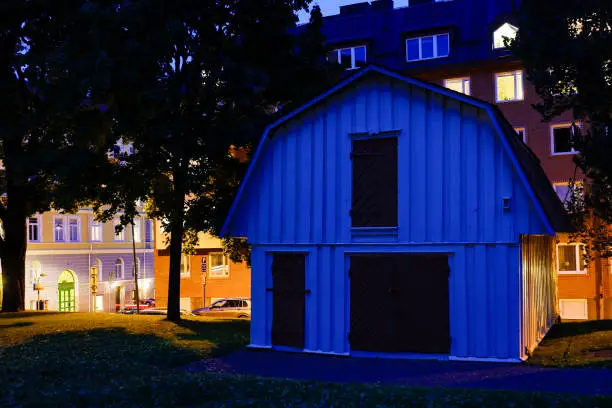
(53,128)
(213,74)
(566,47)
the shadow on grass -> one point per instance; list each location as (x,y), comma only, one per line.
(14,325)
(229,334)
(21,315)
(571,329)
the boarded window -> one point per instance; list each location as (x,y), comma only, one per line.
(374,183)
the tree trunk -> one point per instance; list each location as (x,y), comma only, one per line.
(176,242)
(174,277)
(13,261)
(135,270)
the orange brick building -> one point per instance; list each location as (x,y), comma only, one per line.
(206,276)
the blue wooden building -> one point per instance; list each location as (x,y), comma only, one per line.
(392,217)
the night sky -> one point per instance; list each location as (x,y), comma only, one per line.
(331,7)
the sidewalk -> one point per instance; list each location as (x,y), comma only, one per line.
(410,372)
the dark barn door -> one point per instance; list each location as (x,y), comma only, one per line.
(399,303)
(289,303)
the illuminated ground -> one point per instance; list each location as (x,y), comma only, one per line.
(124,360)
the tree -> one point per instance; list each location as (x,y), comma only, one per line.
(52,125)
(215,75)
(566,47)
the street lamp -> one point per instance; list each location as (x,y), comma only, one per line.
(38,286)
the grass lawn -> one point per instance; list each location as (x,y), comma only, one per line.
(579,344)
(91,360)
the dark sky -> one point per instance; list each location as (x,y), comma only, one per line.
(331,7)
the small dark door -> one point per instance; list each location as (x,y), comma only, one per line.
(289,303)
(399,303)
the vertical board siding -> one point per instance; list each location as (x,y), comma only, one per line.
(539,289)
(483,298)
(453,171)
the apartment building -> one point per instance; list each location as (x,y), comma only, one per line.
(206,276)
(460,44)
(63,248)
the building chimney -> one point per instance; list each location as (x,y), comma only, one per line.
(382,5)
(358,8)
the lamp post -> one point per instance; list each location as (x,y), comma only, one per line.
(38,286)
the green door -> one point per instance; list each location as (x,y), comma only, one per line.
(66,287)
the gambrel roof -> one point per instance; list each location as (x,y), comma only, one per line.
(527,165)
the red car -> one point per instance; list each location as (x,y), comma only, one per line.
(130,309)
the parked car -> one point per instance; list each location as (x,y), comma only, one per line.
(130,309)
(236,308)
(163,311)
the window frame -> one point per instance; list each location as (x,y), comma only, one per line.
(435,47)
(78,228)
(93,223)
(577,246)
(583,302)
(38,228)
(213,272)
(521,129)
(119,262)
(522,83)
(186,260)
(118,237)
(502,47)
(55,231)
(463,80)
(563,125)
(35,271)
(337,51)
(137,237)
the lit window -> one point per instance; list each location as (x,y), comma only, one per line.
(566,195)
(509,86)
(118,272)
(219,267)
(119,236)
(59,229)
(458,85)
(96,231)
(561,139)
(506,31)
(34,229)
(522,133)
(570,259)
(350,58)
(137,230)
(429,47)
(35,271)
(73,229)
(185,266)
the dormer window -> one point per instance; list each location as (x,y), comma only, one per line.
(506,30)
(349,58)
(427,47)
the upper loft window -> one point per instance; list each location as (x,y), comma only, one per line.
(506,30)
(458,85)
(349,58)
(509,86)
(427,47)
(375,185)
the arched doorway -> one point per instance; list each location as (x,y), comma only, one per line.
(66,289)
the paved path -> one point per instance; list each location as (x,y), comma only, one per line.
(410,372)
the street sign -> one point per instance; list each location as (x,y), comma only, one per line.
(203,264)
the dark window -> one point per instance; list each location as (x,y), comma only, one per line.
(374,183)
(562,140)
